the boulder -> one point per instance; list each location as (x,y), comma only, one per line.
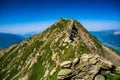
(106,64)
(84,57)
(75,61)
(66,64)
(64,73)
(117,70)
(99,77)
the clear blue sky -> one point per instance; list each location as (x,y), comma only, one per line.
(22,16)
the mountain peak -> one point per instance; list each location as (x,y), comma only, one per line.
(39,56)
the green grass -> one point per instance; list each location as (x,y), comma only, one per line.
(69,53)
(54,76)
(110,76)
(38,69)
(82,48)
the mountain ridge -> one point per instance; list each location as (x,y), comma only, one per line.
(39,56)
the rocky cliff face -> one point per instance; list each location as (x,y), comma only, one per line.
(42,56)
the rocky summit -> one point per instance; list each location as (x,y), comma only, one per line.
(64,51)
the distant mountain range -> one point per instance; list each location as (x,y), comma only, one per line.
(111,38)
(29,34)
(7,39)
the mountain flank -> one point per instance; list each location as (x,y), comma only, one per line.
(64,51)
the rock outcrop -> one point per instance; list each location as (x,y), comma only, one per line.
(87,67)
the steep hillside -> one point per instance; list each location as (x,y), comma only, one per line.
(39,57)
